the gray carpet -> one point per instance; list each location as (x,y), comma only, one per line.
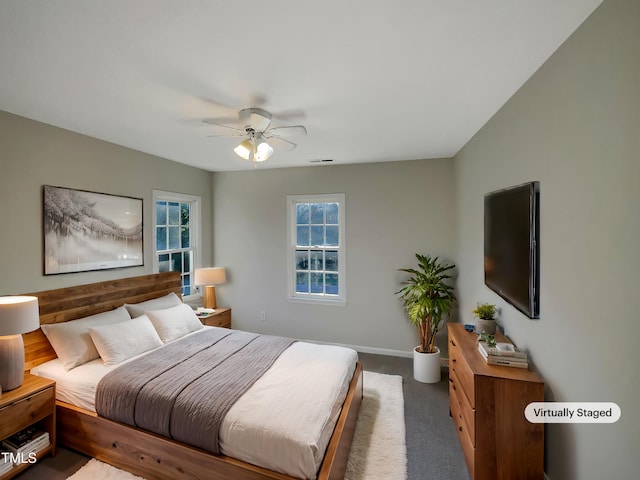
(433,451)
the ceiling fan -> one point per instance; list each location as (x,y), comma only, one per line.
(260,138)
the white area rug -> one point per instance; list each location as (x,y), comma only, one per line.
(378,451)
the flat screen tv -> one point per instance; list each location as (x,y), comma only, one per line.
(512,246)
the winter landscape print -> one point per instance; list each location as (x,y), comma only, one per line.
(90,231)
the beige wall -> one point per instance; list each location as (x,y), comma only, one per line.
(33,154)
(393,210)
(574,127)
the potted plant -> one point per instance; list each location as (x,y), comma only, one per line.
(428,298)
(485,318)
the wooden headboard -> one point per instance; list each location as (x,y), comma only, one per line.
(71,303)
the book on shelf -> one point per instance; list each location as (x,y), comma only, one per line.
(507,361)
(5,464)
(27,441)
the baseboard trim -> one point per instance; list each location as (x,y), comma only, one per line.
(364,349)
(377,351)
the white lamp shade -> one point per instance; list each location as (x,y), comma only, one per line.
(18,314)
(263,152)
(210,276)
(244,149)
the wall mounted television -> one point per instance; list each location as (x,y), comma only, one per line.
(512,246)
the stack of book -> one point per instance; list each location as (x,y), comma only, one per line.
(503,354)
(25,442)
(5,464)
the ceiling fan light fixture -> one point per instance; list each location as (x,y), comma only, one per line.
(263,152)
(243,150)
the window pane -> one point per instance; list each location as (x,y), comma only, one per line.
(163,263)
(302,282)
(161,213)
(317,235)
(302,213)
(161,238)
(185,210)
(331,280)
(331,260)
(317,213)
(174,213)
(316,283)
(302,236)
(316,260)
(302,260)
(332,213)
(332,236)
(176,262)
(185,234)
(186,285)
(174,237)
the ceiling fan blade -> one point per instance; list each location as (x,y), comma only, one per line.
(277,142)
(213,122)
(229,135)
(291,131)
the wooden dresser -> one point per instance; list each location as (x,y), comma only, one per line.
(487,404)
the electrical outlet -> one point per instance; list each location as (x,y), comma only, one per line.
(263,316)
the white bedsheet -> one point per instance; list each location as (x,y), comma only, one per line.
(274,424)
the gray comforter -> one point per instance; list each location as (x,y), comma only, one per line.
(184,389)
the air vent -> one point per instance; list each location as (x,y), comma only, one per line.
(323,160)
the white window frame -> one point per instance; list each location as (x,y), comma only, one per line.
(318,298)
(195,225)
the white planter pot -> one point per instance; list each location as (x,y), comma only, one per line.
(426,366)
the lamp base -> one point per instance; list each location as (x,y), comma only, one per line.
(209,297)
(11,362)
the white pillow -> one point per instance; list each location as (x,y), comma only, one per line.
(137,309)
(118,342)
(71,340)
(175,322)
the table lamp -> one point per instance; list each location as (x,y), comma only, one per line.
(18,315)
(209,278)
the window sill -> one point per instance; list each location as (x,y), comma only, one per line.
(318,301)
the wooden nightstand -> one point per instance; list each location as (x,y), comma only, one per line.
(220,318)
(32,403)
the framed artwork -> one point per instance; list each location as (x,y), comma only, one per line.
(87,231)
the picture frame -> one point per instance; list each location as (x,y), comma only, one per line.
(87,231)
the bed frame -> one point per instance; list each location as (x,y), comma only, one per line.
(137,451)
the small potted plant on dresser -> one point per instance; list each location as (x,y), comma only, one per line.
(485,318)
(428,298)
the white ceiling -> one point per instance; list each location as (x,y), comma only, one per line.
(372,80)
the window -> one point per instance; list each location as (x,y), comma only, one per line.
(316,248)
(177,226)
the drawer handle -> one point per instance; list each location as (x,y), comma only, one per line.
(460,428)
(453,343)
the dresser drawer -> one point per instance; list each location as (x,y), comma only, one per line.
(459,366)
(466,414)
(26,411)
(463,433)
(222,318)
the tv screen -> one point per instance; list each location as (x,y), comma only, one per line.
(512,247)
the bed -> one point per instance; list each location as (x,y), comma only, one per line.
(152,455)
